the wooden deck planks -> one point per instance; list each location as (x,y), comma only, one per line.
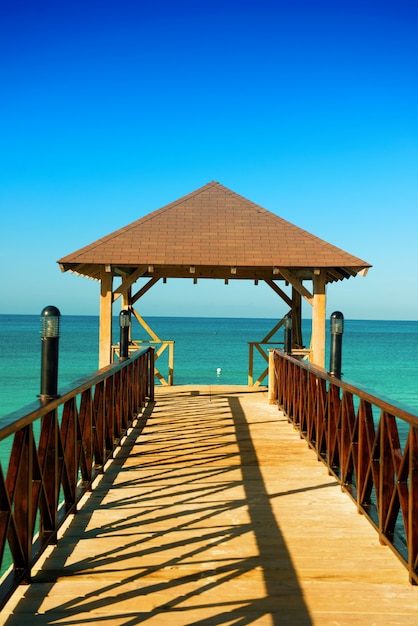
(217,513)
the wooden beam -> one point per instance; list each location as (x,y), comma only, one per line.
(105,329)
(273,331)
(297,318)
(145,288)
(128,280)
(146,327)
(224,272)
(297,284)
(126,305)
(126,299)
(82,269)
(318,319)
(295,304)
(279,291)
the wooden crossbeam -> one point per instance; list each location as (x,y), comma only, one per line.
(261,377)
(128,281)
(145,288)
(279,291)
(273,331)
(146,327)
(297,284)
(261,351)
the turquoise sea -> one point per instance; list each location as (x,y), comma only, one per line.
(379,355)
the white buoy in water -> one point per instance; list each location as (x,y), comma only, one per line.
(218,371)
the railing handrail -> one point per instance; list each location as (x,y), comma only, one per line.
(385,403)
(374,462)
(29,413)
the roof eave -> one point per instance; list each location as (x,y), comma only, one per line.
(333,273)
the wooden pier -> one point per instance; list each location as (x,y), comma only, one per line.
(215,511)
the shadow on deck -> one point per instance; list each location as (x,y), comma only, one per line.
(216,512)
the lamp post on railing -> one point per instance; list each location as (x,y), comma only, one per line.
(50,318)
(288,323)
(337,330)
(124,324)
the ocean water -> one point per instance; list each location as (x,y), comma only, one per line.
(381,356)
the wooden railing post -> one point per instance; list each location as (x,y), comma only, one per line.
(151,374)
(171,363)
(272,395)
(250,364)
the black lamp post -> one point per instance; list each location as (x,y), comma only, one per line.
(50,318)
(124,323)
(337,330)
(288,323)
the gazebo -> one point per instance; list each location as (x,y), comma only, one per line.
(214,233)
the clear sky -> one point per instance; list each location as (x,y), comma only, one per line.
(110,110)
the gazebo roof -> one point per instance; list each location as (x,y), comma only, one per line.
(213,233)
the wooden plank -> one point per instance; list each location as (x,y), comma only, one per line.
(217,513)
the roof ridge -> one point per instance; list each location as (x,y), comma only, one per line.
(174,203)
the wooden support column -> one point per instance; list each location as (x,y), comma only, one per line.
(127,299)
(318,319)
(297,318)
(105,330)
(126,305)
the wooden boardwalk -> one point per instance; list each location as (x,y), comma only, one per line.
(217,513)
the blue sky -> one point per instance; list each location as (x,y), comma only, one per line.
(110,110)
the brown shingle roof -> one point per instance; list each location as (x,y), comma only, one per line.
(213,228)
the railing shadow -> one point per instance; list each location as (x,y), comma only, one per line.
(187,526)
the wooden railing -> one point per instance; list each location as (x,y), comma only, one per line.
(265,354)
(160,347)
(258,345)
(368,444)
(52,452)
